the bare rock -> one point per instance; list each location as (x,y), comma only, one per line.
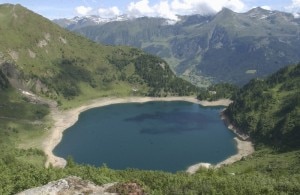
(69,186)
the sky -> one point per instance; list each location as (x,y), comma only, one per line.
(54,9)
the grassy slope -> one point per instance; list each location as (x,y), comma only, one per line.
(23,31)
(22,124)
(70,67)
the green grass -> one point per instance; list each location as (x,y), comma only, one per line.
(268,161)
(119,89)
(21,120)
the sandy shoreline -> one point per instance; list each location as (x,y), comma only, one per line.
(65,119)
(243,144)
(244,148)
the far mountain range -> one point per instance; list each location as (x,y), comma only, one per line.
(225,47)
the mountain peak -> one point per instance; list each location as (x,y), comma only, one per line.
(225,15)
(89,20)
(12,6)
(258,11)
(226,10)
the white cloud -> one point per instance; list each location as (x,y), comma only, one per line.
(141,8)
(109,12)
(171,8)
(296,3)
(164,10)
(266,7)
(294,8)
(206,6)
(83,10)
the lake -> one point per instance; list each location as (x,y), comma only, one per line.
(168,136)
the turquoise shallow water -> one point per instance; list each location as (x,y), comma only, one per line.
(167,136)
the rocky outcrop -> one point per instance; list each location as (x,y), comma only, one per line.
(69,186)
(73,185)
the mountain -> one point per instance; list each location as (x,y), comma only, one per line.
(39,56)
(226,47)
(79,22)
(269,109)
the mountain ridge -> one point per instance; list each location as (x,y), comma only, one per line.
(40,56)
(225,47)
(87,21)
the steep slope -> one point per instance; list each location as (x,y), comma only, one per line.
(269,110)
(37,55)
(228,46)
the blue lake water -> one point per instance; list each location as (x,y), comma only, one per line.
(168,136)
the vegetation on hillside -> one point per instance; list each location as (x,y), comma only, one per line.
(168,84)
(48,60)
(269,110)
(218,91)
(264,173)
(149,70)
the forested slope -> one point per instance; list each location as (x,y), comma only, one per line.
(269,110)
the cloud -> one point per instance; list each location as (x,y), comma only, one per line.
(167,8)
(170,9)
(164,10)
(294,8)
(109,12)
(83,10)
(205,6)
(141,8)
(266,7)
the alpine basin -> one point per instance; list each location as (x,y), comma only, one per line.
(168,136)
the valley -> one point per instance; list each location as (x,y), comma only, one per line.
(224,47)
(46,72)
